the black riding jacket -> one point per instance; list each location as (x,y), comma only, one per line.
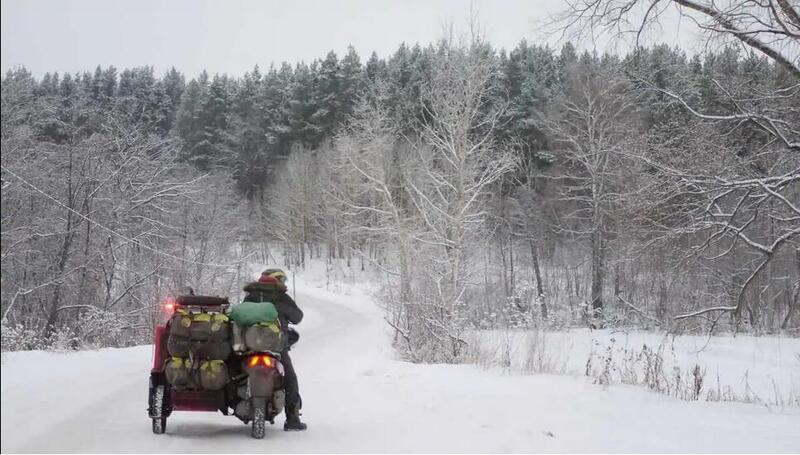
(288,311)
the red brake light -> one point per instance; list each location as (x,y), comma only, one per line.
(170,305)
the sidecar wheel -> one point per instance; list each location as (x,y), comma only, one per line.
(159,421)
(160,425)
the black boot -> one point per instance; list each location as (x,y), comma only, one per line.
(293,422)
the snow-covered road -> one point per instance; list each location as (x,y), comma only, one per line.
(357,399)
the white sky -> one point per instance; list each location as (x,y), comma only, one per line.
(231,36)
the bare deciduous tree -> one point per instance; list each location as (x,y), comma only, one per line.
(591,126)
(749,208)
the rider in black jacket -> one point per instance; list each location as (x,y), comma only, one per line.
(271,287)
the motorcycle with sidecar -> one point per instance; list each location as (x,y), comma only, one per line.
(253,393)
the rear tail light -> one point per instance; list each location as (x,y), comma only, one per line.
(261,360)
(170,305)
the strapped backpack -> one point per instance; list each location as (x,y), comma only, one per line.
(265,336)
(213,374)
(202,336)
(260,325)
(179,372)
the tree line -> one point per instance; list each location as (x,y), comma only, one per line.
(534,187)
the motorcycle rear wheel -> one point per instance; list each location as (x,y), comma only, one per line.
(259,426)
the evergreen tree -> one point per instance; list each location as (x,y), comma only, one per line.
(375,68)
(188,121)
(303,106)
(248,136)
(109,83)
(328,96)
(352,83)
(174,84)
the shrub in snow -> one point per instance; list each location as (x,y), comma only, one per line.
(19,338)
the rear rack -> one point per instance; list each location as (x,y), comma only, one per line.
(201,301)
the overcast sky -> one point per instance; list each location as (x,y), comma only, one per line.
(231,36)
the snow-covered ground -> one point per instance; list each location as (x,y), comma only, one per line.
(742,368)
(358,398)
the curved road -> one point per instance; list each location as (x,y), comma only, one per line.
(357,399)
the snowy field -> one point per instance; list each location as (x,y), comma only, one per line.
(763,370)
(359,398)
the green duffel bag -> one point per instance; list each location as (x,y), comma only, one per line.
(179,372)
(246,314)
(213,374)
(264,336)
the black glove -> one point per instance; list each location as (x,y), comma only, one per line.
(294,337)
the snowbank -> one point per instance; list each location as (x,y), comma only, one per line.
(742,368)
